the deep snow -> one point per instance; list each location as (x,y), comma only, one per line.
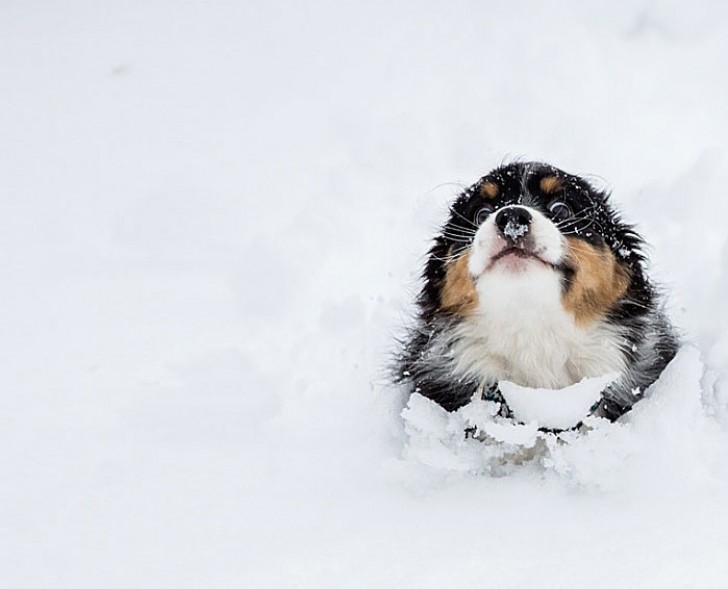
(213,219)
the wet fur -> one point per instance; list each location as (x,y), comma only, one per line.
(595,312)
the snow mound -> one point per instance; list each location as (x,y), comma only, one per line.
(555,408)
(667,435)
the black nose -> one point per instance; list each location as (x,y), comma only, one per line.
(513,222)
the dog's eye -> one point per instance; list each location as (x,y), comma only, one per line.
(559,210)
(483,214)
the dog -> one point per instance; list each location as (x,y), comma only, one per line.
(535,279)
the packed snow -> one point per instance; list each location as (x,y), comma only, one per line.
(214,216)
(555,408)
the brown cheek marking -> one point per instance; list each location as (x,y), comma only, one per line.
(458,293)
(550,184)
(489,189)
(598,283)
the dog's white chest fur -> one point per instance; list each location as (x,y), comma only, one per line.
(523,334)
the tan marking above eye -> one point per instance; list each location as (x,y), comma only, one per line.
(599,281)
(489,189)
(458,294)
(550,184)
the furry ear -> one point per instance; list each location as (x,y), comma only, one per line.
(433,276)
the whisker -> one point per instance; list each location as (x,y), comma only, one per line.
(450,258)
(582,217)
(453,233)
(458,233)
(468,221)
(460,229)
(577,230)
(462,240)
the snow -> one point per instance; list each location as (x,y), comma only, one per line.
(514,230)
(555,408)
(656,437)
(213,220)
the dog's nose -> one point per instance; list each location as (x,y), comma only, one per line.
(513,222)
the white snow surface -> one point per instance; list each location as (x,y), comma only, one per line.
(214,215)
(555,408)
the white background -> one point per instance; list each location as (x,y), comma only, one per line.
(212,219)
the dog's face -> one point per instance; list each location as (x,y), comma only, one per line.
(526,228)
(536,280)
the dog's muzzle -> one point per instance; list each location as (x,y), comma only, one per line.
(514,223)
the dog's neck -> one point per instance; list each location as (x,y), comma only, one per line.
(521,332)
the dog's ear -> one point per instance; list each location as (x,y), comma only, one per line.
(433,276)
(621,237)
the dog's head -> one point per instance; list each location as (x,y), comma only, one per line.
(525,225)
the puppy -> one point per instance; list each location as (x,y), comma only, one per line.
(535,279)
